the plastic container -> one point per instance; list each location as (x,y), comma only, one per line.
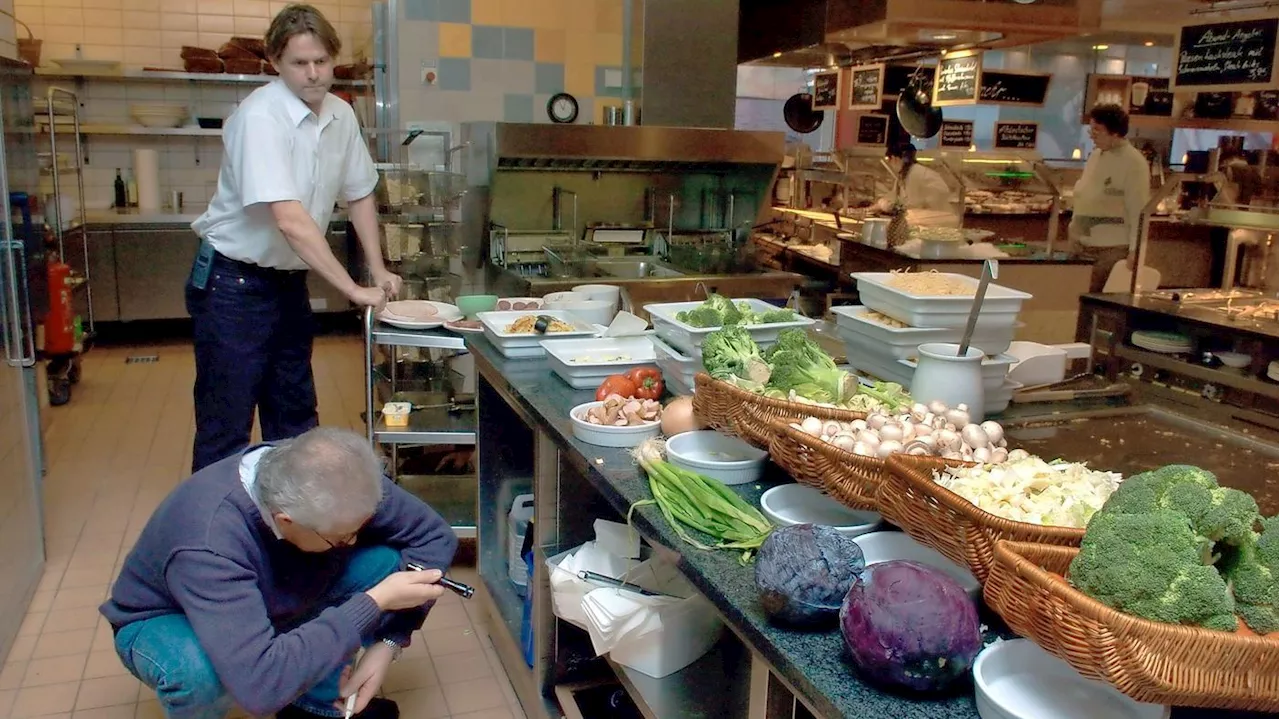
(856,329)
(1016,679)
(610,436)
(676,366)
(584,363)
(999,308)
(715,455)
(688,339)
(789,504)
(396,414)
(1037,364)
(527,345)
(880,547)
(517,522)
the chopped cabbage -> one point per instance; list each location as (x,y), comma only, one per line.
(1058,494)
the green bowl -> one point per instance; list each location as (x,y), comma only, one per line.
(470,305)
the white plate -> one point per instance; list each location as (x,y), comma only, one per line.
(1016,679)
(581,363)
(880,547)
(444,313)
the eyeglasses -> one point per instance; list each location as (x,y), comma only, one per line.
(345,541)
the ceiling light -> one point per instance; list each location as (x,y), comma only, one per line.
(777,54)
(1101,47)
(1148,44)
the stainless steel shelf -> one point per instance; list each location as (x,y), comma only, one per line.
(689,693)
(197,77)
(384,334)
(92,129)
(1224,377)
(430,426)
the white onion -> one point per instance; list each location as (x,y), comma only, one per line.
(994,431)
(974,436)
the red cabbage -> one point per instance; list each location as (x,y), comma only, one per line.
(909,625)
(804,571)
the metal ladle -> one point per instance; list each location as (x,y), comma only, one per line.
(990,271)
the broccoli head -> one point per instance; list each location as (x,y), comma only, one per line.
(1149,565)
(724,307)
(1217,514)
(730,352)
(772,316)
(702,316)
(1252,571)
(799,364)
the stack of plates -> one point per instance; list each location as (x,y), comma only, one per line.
(1163,342)
(1273,371)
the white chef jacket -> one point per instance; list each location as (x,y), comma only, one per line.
(276,149)
(925,189)
(1115,183)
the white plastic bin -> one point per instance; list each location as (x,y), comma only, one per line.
(1000,307)
(517,522)
(688,339)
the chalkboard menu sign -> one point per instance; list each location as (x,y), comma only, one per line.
(896,77)
(865,85)
(957,79)
(826,90)
(873,129)
(1239,55)
(1016,135)
(956,133)
(1013,88)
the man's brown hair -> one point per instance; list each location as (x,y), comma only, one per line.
(300,19)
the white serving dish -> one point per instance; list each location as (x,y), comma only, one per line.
(688,339)
(1016,679)
(715,455)
(1000,306)
(901,342)
(580,363)
(524,346)
(995,401)
(605,436)
(597,312)
(444,313)
(1234,360)
(78,65)
(564,297)
(789,504)
(1037,364)
(880,547)
(674,363)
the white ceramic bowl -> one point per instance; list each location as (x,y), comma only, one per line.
(886,546)
(609,293)
(789,504)
(1018,680)
(716,455)
(597,312)
(605,436)
(564,297)
(1234,360)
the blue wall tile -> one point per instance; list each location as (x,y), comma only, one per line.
(454,11)
(421,9)
(601,89)
(455,73)
(486,42)
(548,78)
(518,43)
(517,108)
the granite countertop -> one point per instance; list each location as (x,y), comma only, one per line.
(815,664)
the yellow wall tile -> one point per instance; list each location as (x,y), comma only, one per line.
(486,12)
(63,34)
(178,38)
(580,79)
(251,8)
(609,16)
(150,5)
(579,50)
(102,4)
(455,40)
(580,15)
(252,26)
(179,21)
(519,13)
(139,20)
(608,49)
(103,52)
(213,40)
(31,15)
(550,14)
(95,19)
(549,45)
(217,7)
(104,36)
(144,57)
(139,38)
(217,24)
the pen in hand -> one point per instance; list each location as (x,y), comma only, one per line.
(462,590)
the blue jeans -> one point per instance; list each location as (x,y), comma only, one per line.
(164,653)
(253,332)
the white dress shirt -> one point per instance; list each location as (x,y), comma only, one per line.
(1114,183)
(925,189)
(276,149)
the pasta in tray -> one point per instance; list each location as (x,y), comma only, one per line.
(929,284)
(525,326)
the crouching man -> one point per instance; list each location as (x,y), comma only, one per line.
(259,578)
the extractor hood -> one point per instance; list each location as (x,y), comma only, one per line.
(637,148)
(824,33)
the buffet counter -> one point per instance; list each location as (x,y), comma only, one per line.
(526,445)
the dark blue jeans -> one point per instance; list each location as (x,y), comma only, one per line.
(253,336)
(164,654)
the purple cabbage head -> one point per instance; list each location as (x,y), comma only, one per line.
(908,625)
(803,573)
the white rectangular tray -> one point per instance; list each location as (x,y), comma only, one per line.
(523,346)
(590,369)
(688,339)
(677,368)
(902,342)
(1000,307)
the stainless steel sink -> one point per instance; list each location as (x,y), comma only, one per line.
(633,269)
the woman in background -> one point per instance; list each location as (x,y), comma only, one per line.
(918,187)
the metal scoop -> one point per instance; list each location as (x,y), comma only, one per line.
(990,270)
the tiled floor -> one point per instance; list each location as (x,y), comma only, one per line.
(113,453)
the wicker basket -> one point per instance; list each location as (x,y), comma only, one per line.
(750,416)
(1148,661)
(951,524)
(852,479)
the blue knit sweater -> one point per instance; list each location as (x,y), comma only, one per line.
(208,554)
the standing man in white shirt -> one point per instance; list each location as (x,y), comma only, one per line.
(1109,196)
(291,150)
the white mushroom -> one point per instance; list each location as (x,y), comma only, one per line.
(812,425)
(994,431)
(974,436)
(887,448)
(937,406)
(982,455)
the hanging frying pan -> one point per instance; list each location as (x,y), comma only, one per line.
(799,114)
(916,111)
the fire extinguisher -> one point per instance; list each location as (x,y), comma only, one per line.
(59,325)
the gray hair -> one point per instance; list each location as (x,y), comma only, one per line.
(324,479)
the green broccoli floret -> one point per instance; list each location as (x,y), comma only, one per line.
(729,312)
(702,316)
(1149,565)
(778,315)
(1252,571)
(800,365)
(730,352)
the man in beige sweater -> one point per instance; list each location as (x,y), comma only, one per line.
(1109,196)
